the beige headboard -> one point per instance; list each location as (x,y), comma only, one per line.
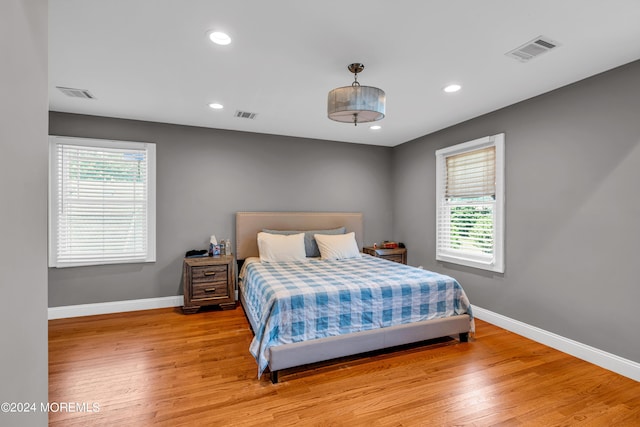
(249,224)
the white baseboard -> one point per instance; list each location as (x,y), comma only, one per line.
(609,361)
(114,307)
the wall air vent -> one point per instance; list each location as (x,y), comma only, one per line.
(532,49)
(245,115)
(76,93)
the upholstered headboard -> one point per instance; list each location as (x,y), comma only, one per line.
(249,224)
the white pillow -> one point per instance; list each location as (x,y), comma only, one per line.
(338,246)
(280,248)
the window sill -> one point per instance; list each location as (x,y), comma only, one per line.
(489,265)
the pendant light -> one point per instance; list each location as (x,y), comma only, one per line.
(356,104)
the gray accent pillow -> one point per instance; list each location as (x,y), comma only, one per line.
(310,245)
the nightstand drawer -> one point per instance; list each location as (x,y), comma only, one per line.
(210,290)
(395,258)
(395,254)
(209,274)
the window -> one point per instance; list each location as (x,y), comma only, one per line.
(470,203)
(101,202)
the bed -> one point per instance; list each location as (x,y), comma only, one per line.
(313,310)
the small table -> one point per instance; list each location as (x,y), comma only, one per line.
(209,281)
(396,255)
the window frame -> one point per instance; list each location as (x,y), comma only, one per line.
(496,263)
(53,202)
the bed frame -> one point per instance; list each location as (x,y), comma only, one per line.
(285,356)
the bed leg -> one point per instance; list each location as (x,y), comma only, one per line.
(274,377)
(464,337)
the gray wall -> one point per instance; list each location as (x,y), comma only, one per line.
(572,210)
(204,176)
(23,209)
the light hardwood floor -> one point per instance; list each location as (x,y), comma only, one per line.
(160,367)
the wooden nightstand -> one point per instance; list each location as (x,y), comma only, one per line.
(209,281)
(397,254)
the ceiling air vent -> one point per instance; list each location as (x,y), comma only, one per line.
(76,93)
(245,115)
(532,49)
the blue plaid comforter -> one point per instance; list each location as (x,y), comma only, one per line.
(299,301)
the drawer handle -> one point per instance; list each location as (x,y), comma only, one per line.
(209,273)
(210,290)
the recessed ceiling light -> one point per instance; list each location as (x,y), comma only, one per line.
(216,106)
(219,38)
(375,127)
(452,88)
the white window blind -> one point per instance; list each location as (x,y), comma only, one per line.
(472,174)
(470,203)
(101,202)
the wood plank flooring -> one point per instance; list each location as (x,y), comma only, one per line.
(160,367)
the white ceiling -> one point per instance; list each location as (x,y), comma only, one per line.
(151,60)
